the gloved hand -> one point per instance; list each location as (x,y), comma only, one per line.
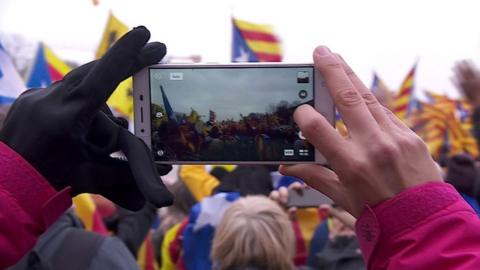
(67,134)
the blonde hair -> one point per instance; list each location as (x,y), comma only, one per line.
(254,232)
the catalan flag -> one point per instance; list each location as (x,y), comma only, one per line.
(86,210)
(404,97)
(255,43)
(445,125)
(121,101)
(47,68)
(146,254)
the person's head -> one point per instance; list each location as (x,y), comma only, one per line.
(254,233)
(247,180)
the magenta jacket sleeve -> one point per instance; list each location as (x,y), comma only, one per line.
(28,205)
(425,227)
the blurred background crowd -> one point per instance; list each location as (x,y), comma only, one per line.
(236,217)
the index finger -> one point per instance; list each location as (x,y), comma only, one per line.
(110,70)
(347,98)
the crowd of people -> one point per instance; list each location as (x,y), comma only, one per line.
(393,208)
(253,137)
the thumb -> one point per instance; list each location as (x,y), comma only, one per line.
(144,170)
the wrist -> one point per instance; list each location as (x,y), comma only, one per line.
(32,192)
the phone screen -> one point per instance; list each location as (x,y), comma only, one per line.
(229,114)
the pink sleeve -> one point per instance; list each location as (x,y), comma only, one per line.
(425,227)
(28,205)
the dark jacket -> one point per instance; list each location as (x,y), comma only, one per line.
(66,245)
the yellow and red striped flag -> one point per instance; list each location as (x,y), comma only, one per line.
(445,126)
(146,254)
(255,43)
(404,97)
(86,210)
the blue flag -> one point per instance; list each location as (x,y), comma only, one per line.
(202,222)
(11,84)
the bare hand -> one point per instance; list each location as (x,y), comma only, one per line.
(378,159)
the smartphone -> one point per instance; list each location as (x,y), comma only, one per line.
(308,197)
(228,114)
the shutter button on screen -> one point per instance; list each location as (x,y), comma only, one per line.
(302,94)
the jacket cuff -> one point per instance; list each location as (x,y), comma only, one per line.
(401,213)
(30,190)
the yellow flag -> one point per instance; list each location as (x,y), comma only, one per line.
(114,30)
(121,100)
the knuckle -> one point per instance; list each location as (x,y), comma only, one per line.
(348,97)
(349,71)
(411,142)
(333,65)
(369,99)
(358,166)
(388,112)
(382,151)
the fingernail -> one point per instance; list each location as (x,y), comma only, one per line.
(322,51)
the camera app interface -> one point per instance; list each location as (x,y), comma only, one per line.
(229,114)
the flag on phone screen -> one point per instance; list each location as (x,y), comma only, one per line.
(11,84)
(255,43)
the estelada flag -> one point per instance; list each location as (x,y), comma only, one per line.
(47,68)
(404,98)
(121,99)
(255,43)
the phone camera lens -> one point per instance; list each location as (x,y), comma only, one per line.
(160,153)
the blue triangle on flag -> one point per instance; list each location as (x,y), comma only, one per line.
(39,76)
(240,50)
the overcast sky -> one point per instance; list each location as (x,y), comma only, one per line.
(229,92)
(386,36)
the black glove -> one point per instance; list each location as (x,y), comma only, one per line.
(67,134)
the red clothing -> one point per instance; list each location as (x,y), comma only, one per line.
(425,227)
(28,205)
